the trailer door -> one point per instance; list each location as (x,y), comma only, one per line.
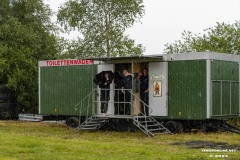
(106,67)
(158,88)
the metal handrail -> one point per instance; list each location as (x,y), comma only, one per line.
(142,102)
(88,97)
(83,99)
(80,107)
(91,99)
(89,104)
(144,105)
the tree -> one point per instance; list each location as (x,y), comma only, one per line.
(223,38)
(102,24)
(26,36)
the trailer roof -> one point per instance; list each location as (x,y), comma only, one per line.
(202,56)
(128,59)
(157,58)
(172,57)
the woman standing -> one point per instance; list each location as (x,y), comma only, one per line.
(103,80)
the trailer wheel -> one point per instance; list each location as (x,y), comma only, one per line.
(73,122)
(174,127)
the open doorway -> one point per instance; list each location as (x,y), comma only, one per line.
(128,99)
(140,88)
(123,84)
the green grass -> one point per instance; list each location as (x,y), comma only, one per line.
(26,141)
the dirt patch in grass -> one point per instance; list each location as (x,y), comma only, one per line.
(208,145)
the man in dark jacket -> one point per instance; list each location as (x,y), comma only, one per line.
(118,95)
(144,95)
(127,85)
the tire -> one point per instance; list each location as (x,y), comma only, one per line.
(174,127)
(73,122)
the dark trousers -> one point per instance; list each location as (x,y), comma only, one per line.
(144,97)
(127,103)
(118,105)
(105,96)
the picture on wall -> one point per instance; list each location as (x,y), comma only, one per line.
(157,88)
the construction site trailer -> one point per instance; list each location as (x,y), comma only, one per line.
(195,90)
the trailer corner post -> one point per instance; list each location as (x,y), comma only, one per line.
(39,89)
(239,89)
(208,89)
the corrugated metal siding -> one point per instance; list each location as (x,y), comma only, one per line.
(61,88)
(225,98)
(216,98)
(223,70)
(187,89)
(225,88)
(235,98)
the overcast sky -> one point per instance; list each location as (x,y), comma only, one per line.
(165,20)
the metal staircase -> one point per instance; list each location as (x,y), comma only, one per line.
(93,123)
(149,125)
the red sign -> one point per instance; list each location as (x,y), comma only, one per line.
(67,62)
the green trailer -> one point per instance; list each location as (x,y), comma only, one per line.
(197,90)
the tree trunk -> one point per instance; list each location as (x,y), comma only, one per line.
(107,36)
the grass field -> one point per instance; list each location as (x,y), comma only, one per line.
(54,141)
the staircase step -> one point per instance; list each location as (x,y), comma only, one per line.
(87,128)
(152,125)
(146,122)
(99,117)
(90,125)
(160,133)
(157,129)
(100,121)
(141,117)
(93,123)
(97,120)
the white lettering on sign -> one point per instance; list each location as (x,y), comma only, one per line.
(67,62)
(157,76)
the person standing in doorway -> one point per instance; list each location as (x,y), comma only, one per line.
(144,91)
(105,92)
(127,85)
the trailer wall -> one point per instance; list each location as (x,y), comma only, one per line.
(62,87)
(225,88)
(187,89)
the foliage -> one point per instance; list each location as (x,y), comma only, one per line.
(26,36)
(102,24)
(223,38)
